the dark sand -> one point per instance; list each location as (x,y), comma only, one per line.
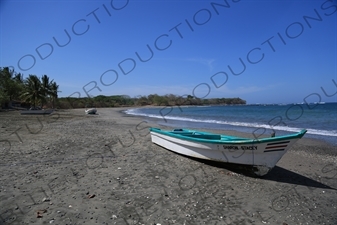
(72,168)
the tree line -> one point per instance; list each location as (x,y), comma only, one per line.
(32,91)
(43,92)
(150,100)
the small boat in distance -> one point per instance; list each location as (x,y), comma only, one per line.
(91,111)
(262,154)
(36,111)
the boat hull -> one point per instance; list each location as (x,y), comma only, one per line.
(91,111)
(37,112)
(262,154)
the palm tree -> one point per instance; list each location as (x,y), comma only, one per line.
(46,86)
(10,84)
(5,77)
(33,91)
(18,78)
(54,89)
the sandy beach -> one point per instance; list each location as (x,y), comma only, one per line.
(72,168)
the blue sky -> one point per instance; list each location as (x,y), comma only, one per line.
(197,47)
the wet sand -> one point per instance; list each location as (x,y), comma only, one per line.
(72,168)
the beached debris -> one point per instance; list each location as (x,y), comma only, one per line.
(91,196)
(232,174)
(39,213)
(46,200)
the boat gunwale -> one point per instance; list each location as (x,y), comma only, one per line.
(176,134)
(37,112)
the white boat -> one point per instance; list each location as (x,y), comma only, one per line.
(91,111)
(262,154)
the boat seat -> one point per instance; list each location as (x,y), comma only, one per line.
(205,136)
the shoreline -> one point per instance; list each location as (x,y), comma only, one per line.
(104,169)
(326,140)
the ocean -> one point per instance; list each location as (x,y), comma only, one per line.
(319,119)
